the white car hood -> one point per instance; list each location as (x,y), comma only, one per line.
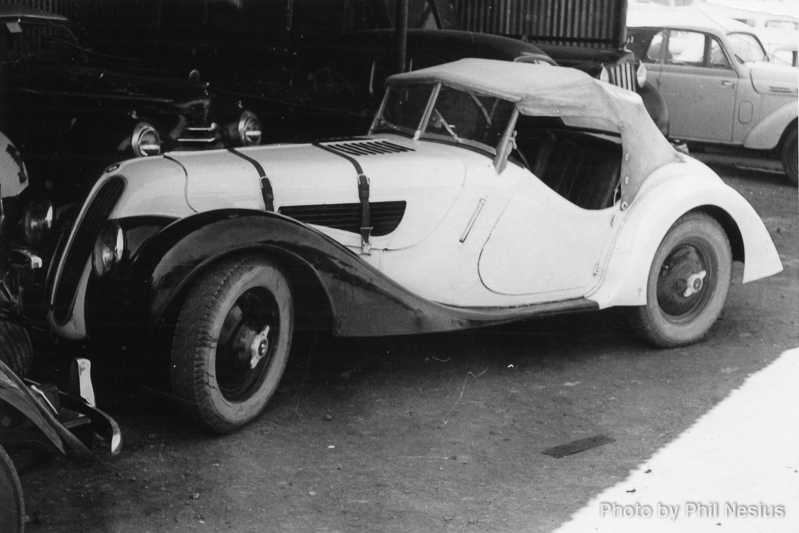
(768,78)
(426,176)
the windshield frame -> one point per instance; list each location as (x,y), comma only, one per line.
(379,124)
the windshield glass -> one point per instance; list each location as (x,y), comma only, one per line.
(457,116)
(38,41)
(746,47)
(405,106)
(469,118)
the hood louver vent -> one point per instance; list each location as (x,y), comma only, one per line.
(385,216)
(367,148)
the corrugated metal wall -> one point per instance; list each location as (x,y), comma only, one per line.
(74,9)
(588,22)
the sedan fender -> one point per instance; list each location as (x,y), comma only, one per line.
(362,300)
(768,132)
(14,393)
(627,267)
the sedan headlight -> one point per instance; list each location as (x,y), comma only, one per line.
(38,219)
(640,75)
(604,75)
(249,129)
(145,140)
(109,248)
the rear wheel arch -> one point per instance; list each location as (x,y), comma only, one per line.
(729,226)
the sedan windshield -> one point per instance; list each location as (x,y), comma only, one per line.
(457,116)
(747,47)
(38,41)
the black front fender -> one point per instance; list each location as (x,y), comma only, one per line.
(362,300)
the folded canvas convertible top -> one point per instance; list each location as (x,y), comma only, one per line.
(576,97)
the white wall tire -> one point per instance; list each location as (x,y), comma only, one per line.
(232,342)
(687,285)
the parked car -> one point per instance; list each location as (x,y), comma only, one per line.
(38,417)
(718,85)
(307,68)
(485,192)
(72,117)
(15,344)
(336,90)
(561,29)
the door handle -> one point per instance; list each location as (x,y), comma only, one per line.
(726,83)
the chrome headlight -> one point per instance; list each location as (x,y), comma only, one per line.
(145,140)
(38,219)
(604,75)
(109,248)
(640,75)
(249,129)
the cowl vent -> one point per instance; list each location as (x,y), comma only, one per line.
(367,148)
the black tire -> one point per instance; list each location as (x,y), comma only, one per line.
(16,350)
(682,303)
(12,502)
(790,156)
(235,314)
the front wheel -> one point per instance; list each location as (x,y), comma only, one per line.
(790,156)
(231,342)
(687,284)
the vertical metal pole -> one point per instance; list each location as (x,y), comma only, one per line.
(401,32)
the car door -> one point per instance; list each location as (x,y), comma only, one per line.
(699,84)
(544,245)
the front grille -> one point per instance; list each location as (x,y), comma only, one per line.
(624,76)
(368,148)
(384,216)
(199,131)
(80,248)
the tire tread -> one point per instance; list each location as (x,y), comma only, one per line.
(16,350)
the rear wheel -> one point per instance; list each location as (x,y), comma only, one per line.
(12,503)
(790,155)
(15,348)
(231,343)
(687,285)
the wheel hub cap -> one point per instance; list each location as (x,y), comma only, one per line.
(694,283)
(682,281)
(259,347)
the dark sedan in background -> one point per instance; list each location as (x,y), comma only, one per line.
(71,117)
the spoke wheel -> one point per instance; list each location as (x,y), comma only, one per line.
(687,285)
(232,342)
(12,503)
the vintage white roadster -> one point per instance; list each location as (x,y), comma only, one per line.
(485,192)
